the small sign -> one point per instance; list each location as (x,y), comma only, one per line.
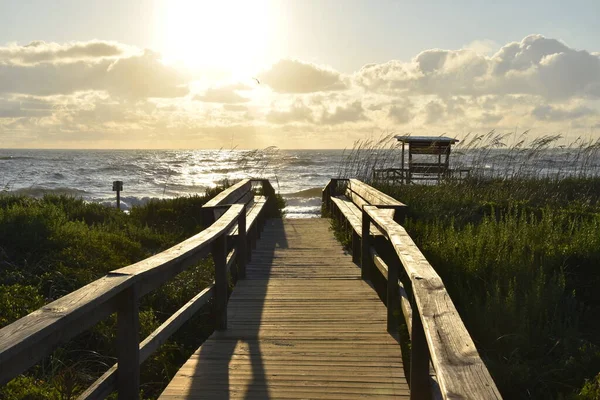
(117,186)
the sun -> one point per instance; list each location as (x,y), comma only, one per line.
(231,35)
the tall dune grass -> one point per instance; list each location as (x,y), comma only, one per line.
(54,245)
(518,247)
(489,155)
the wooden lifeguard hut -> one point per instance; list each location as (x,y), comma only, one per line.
(428,160)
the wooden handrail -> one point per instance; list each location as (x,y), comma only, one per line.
(27,340)
(105,385)
(437,333)
(107,382)
(231,195)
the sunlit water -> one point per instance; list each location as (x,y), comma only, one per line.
(298,175)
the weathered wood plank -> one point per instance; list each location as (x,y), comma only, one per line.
(298,327)
(127,344)
(27,340)
(404,300)
(106,384)
(253,212)
(242,247)
(230,195)
(153,271)
(219,253)
(372,195)
(460,371)
(354,215)
(240,193)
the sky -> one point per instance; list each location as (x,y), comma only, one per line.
(293,73)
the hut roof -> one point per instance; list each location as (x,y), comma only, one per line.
(429,139)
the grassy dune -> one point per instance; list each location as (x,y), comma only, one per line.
(518,247)
(521,260)
(52,246)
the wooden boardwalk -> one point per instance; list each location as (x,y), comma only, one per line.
(303,325)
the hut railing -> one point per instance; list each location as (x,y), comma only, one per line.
(29,339)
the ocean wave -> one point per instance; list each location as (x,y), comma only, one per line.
(304,162)
(122,167)
(306,193)
(224,170)
(16,158)
(314,175)
(127,202)
(302,212)
(108,168)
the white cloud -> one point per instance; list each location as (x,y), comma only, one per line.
(234,107)
(294,76)
(484,46)
(47,52)
(434,112)
(27,107)
(224,94)
(535,66)
(298,112)
(489,119)
(102,92)
(132,76)
(400,112)
(550,113)
(353,112)
(144,76)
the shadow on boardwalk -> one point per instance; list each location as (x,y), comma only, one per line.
(302,325)
(211,375)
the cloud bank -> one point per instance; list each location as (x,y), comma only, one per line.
(293,76)
(94,93)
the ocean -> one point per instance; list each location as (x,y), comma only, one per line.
(299,175)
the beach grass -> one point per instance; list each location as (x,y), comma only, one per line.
(57,244)
(523,274)
(519,253)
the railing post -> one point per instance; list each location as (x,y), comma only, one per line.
(208,216)
(256,237)
(365,272)
(332,190)
(419,359)
(325,196)
(128,354)
(219,253)
(242,257)
(356,247)
(393,293)
(269,192)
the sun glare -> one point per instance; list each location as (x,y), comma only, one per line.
(230,35)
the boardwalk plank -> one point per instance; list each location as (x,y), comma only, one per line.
(303,325)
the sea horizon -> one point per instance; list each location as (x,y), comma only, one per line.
(297,174)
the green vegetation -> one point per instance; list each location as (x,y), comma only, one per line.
(520,259)
(591,389)
(518,248)
(52,246)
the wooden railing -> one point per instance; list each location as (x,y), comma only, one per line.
(444,361)
(240,192)
(423,171)
(31,338)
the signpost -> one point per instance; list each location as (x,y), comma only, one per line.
(117,187)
